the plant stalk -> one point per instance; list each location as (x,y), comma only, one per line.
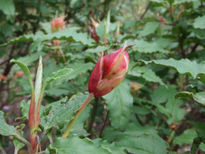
(93,115)
(82,107)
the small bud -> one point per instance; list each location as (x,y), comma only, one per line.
(19,74)
(134,86)
(108,73)
(57,24)
(94,23)
(173,126)
(162,20)
(3,77)
(93,32)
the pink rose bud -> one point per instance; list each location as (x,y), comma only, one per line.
(3,77)
(162,20)
(19,74)
(95,23)
(94,35)
(109,71)
(57,24)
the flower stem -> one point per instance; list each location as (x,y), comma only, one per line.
(82,107)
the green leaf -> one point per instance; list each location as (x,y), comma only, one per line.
(38,83)
(161,94)
(97,49)
(70,34)
(26,71)
(183,66)
(199,22)
(198,97)
(7,6)
(18,145)
(202,147)
(5,129)
(59,113)
(80,68)
(119,102)
(149,28)
(112,148)
(172,110)
(145,73)
(59,77)
(75,145)
(200,127)
(148,47)
(186,137)
(137,139)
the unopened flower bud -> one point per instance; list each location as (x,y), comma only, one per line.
(93,32)
(3,77)
(57,24)
(108,73)
(19,74)
(162,20)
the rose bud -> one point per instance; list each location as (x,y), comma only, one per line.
(162,20)
(19,74)
(3,77)
(94,35)
(57,24)
(109,71)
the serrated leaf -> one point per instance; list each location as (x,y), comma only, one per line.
(8,7)
(70,34)
(5,129)
(80,68)
(186,137)
(183,66)
(199,22)
(75,145)
(119,102)
(97,49)
(145,73)
(198,97)
(59,77)
(148,47)
(18,145)
(111,147)
(149,28)
(137,139)
(61,112)
(161,94)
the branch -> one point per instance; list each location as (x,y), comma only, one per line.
(93,115)
(145,11)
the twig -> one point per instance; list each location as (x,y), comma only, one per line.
(104,124)
(139,120)
(2,150)
(82,107)
(145,11)
(93,115)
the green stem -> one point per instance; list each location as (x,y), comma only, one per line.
(93,115)
(171,136)
(82,107)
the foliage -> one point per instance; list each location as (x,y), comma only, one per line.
(157,109)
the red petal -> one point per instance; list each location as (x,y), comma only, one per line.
(107,86)
(95,76)
(109,61)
